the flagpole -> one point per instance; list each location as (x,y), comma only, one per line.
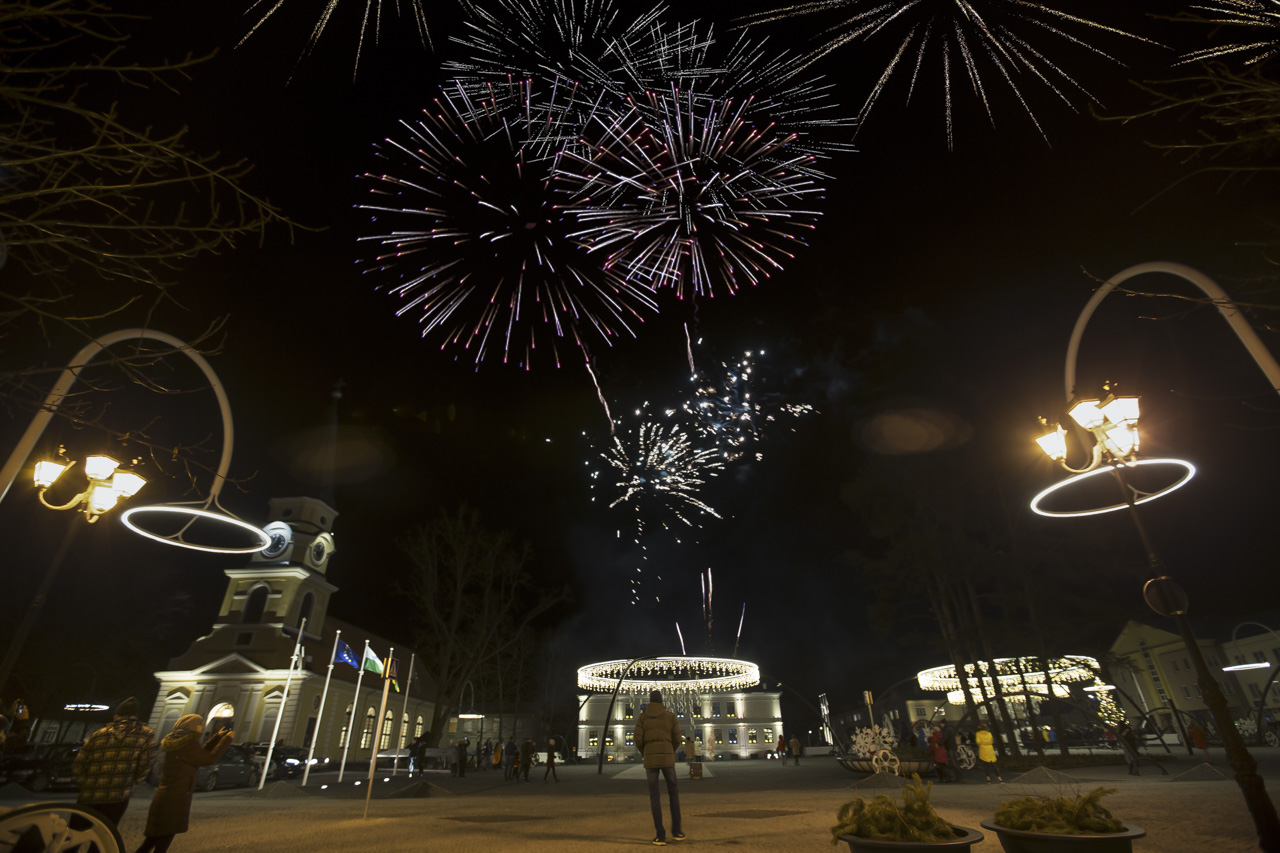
(284,700)
(315,735)
(351,726)
(404,713)
(377,734)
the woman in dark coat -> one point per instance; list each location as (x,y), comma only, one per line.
(183,753)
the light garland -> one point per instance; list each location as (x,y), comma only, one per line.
(1013,673)
(683,674)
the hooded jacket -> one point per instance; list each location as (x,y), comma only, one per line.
(114,759)
(183,754)
(657,736)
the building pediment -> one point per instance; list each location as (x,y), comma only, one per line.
(232,664)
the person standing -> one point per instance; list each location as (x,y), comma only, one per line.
(526,758)
(551,761)
(938,753)
(113,760)
(484,757)
(460,757)
(950,741)
(795,749)
(782,750)
(657,736)
(509,760)
(987,752)
(1129,743)
(697,748)
(171,806)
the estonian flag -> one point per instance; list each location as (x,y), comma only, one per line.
(371,662)
(346,655)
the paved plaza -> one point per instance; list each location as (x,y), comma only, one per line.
(740,805)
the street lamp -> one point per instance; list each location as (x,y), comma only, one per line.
(107,486)
(1113,425)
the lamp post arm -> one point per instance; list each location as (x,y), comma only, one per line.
(1226,307)
(68,377)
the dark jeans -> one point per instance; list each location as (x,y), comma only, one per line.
(551,769)
(111,811)
(655,799)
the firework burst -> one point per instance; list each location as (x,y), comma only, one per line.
(471,235)
(370,22)
(700,200)
(1258,15)
(965,40)
(725,411)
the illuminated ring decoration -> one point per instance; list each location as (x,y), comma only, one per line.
(1035,502)
(681,674)
(1012,672)
(194,512)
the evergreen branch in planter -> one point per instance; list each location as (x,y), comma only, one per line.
(1060,815)
(882,819)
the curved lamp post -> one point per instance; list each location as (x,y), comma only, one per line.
(209,508)
(1113,425)
(1262,700)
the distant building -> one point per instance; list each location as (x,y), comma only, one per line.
(741,724)
(238,670)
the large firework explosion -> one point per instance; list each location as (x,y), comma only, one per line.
(1261,16)
(726,410)
(471,235)
(370,21)
(699,201)
(963,40)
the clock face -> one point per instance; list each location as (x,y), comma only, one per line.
(281,534)
(319,550)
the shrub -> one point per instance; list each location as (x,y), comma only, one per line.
(884,820)
(1059,815)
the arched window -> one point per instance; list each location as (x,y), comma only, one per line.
(404,732)
(255,605)
(342,738)
(304,612)
(417,727)
(270,713)
(366,733)
(388,724)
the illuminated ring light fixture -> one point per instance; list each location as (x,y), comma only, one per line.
(1013,673)
(195,513)
(681,674)
(1189,472)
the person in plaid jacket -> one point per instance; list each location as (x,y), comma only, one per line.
(114,759)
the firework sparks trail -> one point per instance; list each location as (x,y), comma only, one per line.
(471,233)
(741,619)
(981,36)
(681,636)
(725,410)
(1261,15)
(700,202)
(708,607)
(658,471)
(372,12)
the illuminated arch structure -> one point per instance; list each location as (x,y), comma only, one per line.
(1021,680)
(711,697)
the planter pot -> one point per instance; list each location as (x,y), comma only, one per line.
(964,840)
(906,766)
(1021,841)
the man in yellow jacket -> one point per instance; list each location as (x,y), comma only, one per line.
(657,736)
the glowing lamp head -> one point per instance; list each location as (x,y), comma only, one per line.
(1121,410)
(127,483)
(1087,413)
(1054,444)
(1121,439)
(47,473)
(99,467)
(102,498)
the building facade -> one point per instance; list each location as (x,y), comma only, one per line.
(240,669)
(739,724)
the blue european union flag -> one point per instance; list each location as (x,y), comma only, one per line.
(347,655)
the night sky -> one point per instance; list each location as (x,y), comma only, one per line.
(941,283)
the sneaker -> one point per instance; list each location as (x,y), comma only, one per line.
(659,842)
(677,836)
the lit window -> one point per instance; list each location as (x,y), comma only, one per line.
(751,736)
(417,727)
(733,735)
(608,740)
(715,709)
(630,738)
(593,738)
(388,723)
(342,738)
(628,714)
(717,736)
(366,734)
(731,709)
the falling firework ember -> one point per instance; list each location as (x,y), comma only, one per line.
(370,22)
(963,40)
(701,202)
(1262,16)
(471,233)
(727,411)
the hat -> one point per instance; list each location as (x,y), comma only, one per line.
(127,708)
(655,695)
(189,723)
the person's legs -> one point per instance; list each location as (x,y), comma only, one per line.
(655,802)
(673,794)
(156,843)
(111,811)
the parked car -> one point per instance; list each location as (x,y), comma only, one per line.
(41,767)
(235,767)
